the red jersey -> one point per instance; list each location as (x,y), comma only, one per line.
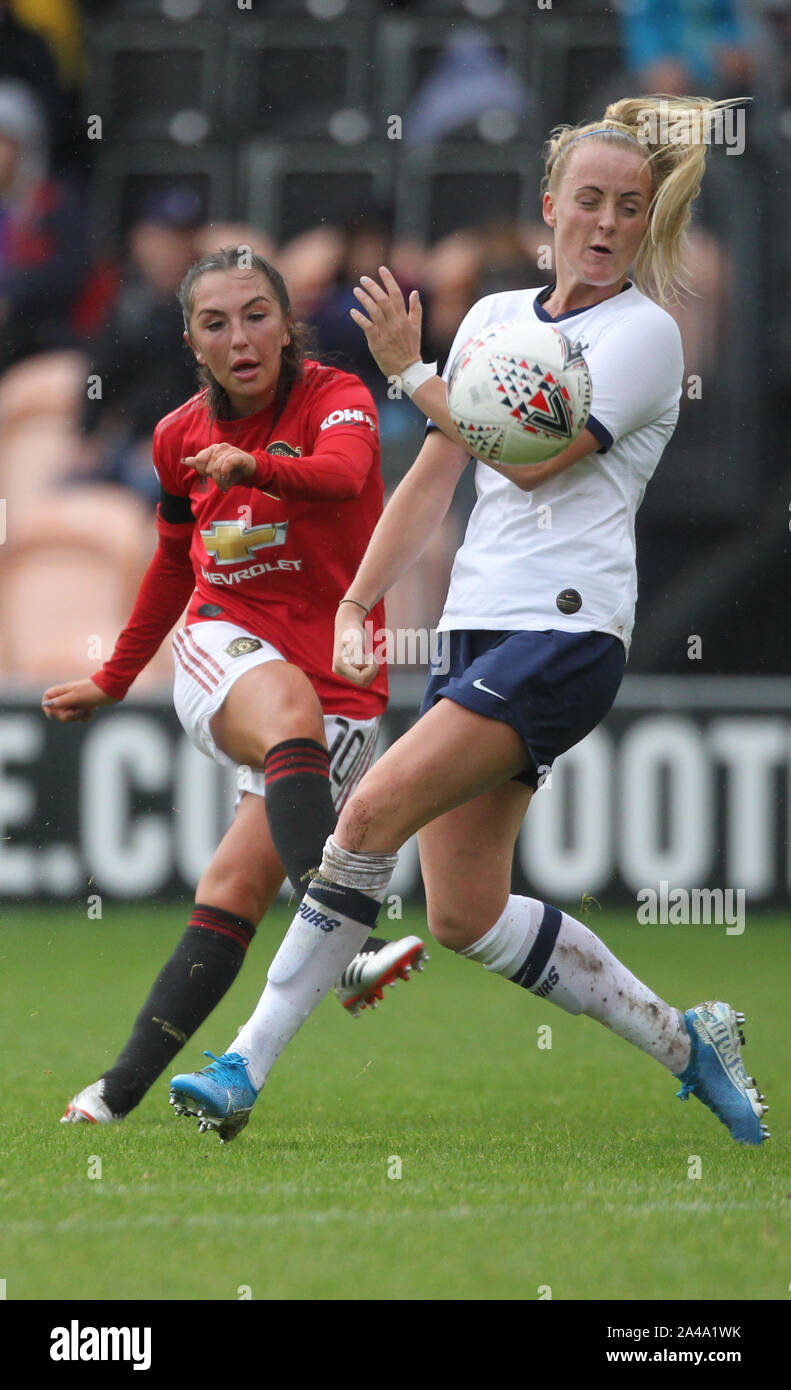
(276,554)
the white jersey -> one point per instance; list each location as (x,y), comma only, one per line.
(563,556)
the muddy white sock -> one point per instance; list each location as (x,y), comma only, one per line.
(332,922)
(555,956)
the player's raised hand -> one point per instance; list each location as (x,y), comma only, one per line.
(75,700)
(392,329)
(226,465)
(349,658)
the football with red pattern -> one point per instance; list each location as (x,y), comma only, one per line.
(519,393)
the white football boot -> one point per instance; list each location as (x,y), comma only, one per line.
(89,1107)
(378,963)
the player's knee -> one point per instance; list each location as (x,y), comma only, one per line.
(271,705)
(302,719)
(235,891)
(450,926)
(363,812)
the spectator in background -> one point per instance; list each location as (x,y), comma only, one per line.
(213,236)
(466,265)
(43,255)
(140,373)
(679,46)
(364,241)
(471,81)
(41,44)
(310,264)
(26,57)
(60,24)
(672,47)
(773,45)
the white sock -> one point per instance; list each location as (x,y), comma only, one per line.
(557,957)
(334,919)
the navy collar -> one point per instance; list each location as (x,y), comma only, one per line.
(541,313)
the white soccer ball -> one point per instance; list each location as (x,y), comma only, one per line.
(519,392)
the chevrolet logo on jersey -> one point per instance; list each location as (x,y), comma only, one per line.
(230,541)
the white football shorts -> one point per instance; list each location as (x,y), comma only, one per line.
(209,658)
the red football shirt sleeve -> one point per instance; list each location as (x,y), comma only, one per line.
(166,454)
(345,447)
(335,471)
(166,588)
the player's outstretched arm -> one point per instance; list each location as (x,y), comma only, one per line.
(392,330)
(164,591)
(74,700)
(415,510)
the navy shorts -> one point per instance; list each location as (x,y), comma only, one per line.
(552,687)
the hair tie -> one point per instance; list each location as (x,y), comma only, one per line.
(600,130)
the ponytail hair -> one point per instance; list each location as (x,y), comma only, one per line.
(294,352)
(673,133)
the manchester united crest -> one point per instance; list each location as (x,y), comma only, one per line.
(241,646)
(283,450)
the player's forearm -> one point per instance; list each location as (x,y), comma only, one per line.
(337,476)
(415,510)
(162,597)
(432,399)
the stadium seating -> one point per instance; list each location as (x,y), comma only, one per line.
(127,174)
(145,74)
(71,568)
(291,187)
(287,78)
(442,188)
(40,401)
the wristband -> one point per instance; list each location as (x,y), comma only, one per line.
(416,375)
(357,604)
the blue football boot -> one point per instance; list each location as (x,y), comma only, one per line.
(220,1097)
(715,1072)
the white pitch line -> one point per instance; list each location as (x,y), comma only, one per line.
(267,1220)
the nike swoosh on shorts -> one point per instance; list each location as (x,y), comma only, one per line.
(479,685)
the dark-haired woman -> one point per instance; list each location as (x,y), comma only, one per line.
(270,489)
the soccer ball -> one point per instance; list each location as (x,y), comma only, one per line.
(519,392)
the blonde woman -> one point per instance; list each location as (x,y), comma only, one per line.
(535,630)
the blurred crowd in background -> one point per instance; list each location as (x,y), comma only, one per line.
(97,233)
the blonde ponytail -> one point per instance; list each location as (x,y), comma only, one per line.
(673,133)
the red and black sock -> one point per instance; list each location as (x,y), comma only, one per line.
(299,805)
(200,971)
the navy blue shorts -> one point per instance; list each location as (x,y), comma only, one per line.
(552,687)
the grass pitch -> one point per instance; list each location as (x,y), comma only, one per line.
(522,1166)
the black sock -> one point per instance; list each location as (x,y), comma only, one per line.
(299,805)
(200,971)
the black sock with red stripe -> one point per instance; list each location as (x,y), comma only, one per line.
(299,805)
(200,971)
